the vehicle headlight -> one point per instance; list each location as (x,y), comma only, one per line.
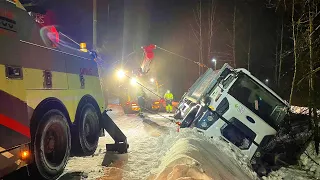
(253,161)
(204,124)
(210,118)
(258,154)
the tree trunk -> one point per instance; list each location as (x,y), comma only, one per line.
(312,108)
(277,57)
(311,87)
(200,36)
(280,54)
(234,34)
(294,51)
(210,29)
(249,46)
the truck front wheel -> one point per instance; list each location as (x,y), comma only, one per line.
(52,144)
(88,130)
(189,118)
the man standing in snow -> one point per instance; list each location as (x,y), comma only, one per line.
(141,100)
(169,98)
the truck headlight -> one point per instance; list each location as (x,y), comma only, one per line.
(204,124)
(258,154)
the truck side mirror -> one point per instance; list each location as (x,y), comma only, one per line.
(93,54)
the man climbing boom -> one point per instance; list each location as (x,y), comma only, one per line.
(168,96)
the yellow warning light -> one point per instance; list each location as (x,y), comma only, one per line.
(83,47)
(25,155)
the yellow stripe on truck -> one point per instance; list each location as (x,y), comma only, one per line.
(5,154)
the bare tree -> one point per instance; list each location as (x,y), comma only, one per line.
(249,44)
(204,36)
(293,24)
(312,106)
(211,18)
(234,33)
(280,53)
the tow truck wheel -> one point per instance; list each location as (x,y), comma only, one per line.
(52,144)
(88,130)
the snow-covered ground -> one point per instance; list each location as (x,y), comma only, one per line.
(158,152)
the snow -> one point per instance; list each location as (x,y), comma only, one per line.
(158,152)
(301,110)
(288,174)
(189,154)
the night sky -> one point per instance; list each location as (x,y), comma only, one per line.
(125,25)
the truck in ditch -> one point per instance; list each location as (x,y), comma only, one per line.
(237,107)
(51,100)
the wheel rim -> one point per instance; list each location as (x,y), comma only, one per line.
(54,145)
(91,129)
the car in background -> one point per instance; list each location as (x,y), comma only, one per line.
(130,107)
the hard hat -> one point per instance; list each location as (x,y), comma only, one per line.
(168,91)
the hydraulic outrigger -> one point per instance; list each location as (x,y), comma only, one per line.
(121,146)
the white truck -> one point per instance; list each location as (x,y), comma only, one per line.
(236,106)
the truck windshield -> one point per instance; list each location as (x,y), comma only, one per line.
(258,100)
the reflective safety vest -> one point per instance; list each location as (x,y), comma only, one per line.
(168,96)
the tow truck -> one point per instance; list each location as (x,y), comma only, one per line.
(235,106)
(51,99)
(128,105)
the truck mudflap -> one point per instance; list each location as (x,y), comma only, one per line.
(121,146)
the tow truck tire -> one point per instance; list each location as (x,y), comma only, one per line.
(87,131)
(52,144)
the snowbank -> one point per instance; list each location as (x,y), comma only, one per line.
(191,155)
(301,110)
(289,174)
(310,164)
(158,152)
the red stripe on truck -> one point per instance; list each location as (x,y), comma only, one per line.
(14,125)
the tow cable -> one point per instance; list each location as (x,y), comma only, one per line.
(152,112)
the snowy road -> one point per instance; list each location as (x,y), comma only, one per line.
(157,151)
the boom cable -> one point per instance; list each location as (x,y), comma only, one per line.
(198,63)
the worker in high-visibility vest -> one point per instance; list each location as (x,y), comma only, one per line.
(168,96)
